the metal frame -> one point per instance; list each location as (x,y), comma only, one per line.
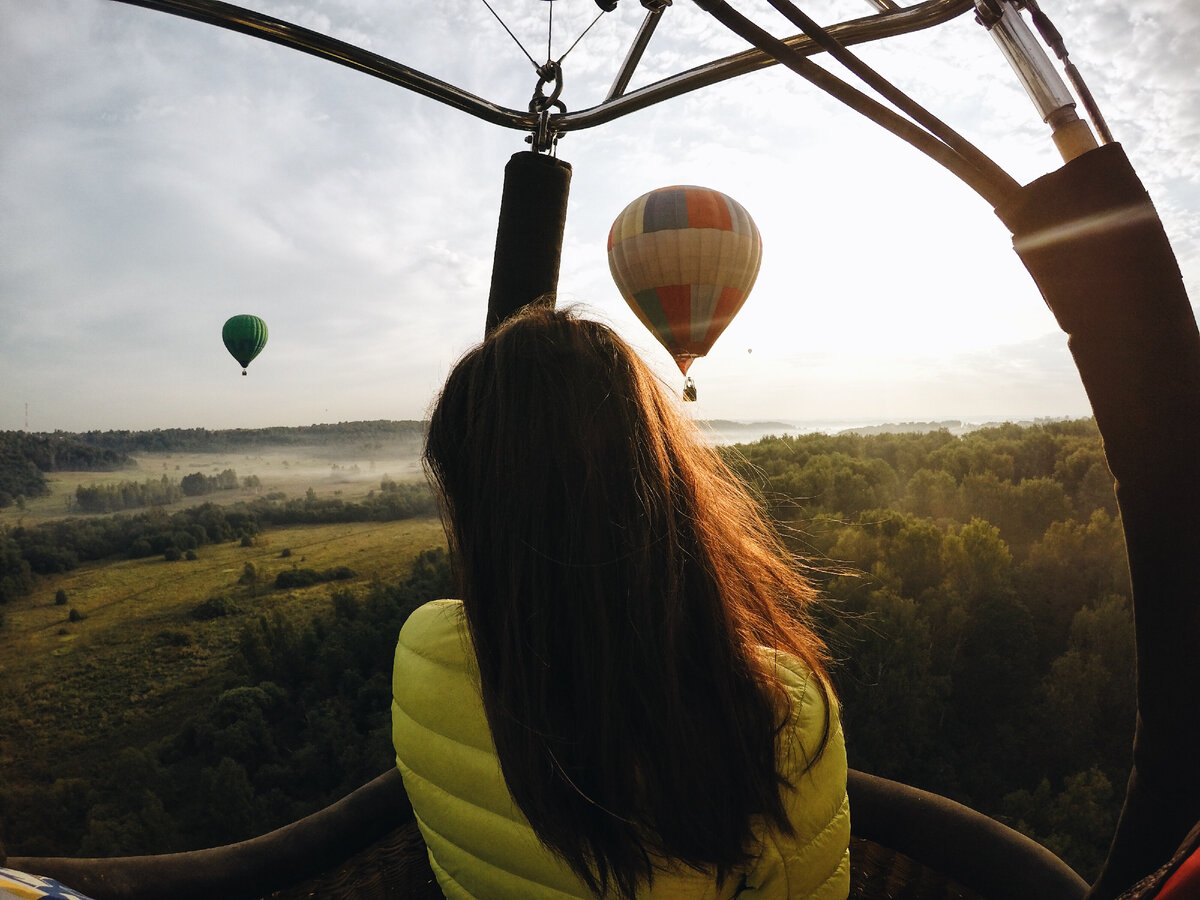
(890,21)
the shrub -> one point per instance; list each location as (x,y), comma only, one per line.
(60,597)
(297,578)
(172,554)
(75,615)
(214,608)
(249,575)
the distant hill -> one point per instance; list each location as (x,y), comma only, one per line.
(956,427)
(951,425)
(761,427)
(375,433)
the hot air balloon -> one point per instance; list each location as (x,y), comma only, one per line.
(244,338)
(684,258)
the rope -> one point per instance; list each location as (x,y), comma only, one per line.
(580,38)
(510,34)
(549,34)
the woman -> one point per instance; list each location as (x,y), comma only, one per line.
(628,700)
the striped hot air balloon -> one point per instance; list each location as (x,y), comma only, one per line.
(684,258)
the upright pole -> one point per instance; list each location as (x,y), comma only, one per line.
(533,213)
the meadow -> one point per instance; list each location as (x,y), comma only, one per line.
(136,662)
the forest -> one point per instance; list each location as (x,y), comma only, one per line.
(974,591)
(976,595)
(167,440)
(24,458)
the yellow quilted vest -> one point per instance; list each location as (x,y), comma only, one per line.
(480,844)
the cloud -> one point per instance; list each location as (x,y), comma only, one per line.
(158,175)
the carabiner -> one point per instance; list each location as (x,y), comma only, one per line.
(544,137)
(547,72)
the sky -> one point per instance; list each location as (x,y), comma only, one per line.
(158,176)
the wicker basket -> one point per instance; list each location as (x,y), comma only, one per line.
(397,868)
(907,845)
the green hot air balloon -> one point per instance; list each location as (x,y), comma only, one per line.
(244,338)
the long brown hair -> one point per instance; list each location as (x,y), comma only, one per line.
(617,582)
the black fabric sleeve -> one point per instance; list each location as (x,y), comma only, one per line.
(1094,244)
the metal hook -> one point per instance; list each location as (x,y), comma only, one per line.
(547,72)
(544,137)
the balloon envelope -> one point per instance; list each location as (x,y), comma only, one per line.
(684,258)
(244,338)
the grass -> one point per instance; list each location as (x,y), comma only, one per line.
(138,664)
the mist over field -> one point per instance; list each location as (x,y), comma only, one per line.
(293,470)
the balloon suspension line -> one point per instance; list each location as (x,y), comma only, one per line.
(545,138)
(510,34)
(921,129)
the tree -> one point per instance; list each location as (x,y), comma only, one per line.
(1072,566)
(60,597)
(195,484)
(978,561)
(1075,824)
(1090,700)
(16,575)
(932,494)
(915,555)
(891,695)
(994,695)
(250,578)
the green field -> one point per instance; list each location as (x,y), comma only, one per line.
(138,663)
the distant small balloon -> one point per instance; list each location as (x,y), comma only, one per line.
(244,337)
